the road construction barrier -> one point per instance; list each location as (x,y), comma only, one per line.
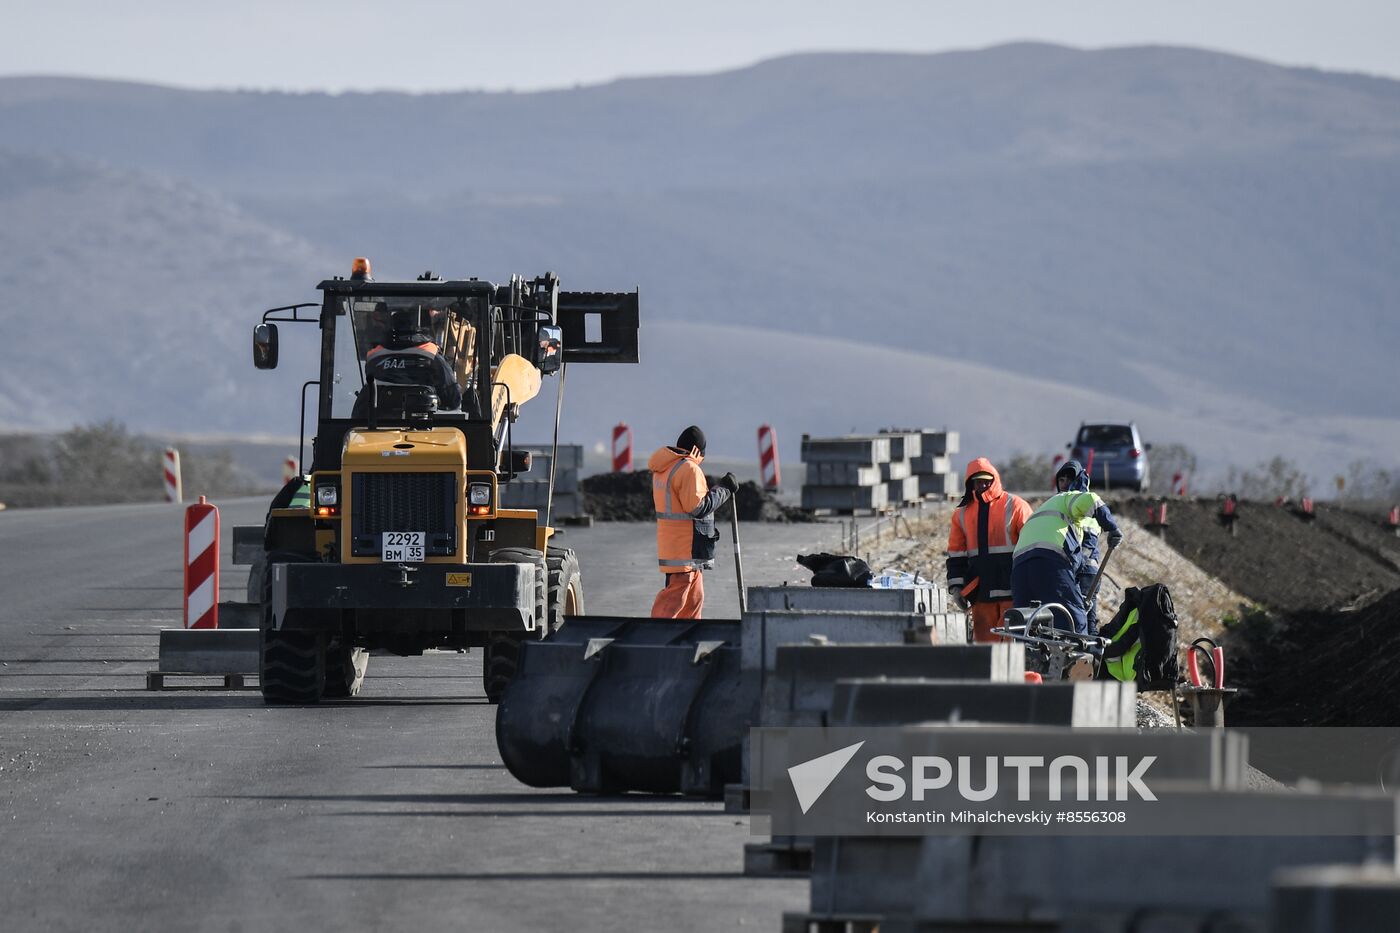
(1307,512)
(291,469)
(606,705)
(170,472)
(1179,485)
(1392,520)
(768,457)
(201,565)
(621,448)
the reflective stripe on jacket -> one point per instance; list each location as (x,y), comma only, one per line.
(983,536)
(685,508)
(1058,525)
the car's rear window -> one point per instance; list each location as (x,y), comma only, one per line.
(1105,435)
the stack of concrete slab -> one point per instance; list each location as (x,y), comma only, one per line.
(531,490)
(933,468)
(846,474)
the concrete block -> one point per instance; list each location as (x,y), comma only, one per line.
(938,443)
(932,463)
(904,445)
(895,469)
(765,630)
(209,651)
(1002,878)
(1335,899)
(918,599)
(850,449)
(940,484)
(898,701)
(844,497)
(842,474)
(805,676)
(901,491)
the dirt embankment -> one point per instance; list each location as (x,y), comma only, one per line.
(626,497)
(1322,647)
(1281,561)
(1319,668)
(1202,601)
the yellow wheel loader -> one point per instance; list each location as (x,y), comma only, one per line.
(394,538)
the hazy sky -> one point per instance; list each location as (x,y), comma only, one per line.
(527,44)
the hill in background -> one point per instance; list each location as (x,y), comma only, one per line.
(1044,235)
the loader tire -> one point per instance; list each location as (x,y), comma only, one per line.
(345,669)
(501,656)
(291,664)
(565,586)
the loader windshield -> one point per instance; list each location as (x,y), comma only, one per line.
(452,323)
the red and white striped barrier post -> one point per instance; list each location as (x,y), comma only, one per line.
(201,565)
(291,469)
(768,457)
(1392,520)
(1178,484)
(170,470)
(621,448)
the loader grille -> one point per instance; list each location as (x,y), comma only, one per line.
(424,502)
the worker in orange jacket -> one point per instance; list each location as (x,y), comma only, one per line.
(685,523)
(986,525)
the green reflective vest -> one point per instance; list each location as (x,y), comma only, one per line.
(1125,668)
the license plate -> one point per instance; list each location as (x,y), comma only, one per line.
(402,547)
(1106,455)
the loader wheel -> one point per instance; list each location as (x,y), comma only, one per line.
(345,669)
(501,656)
(291,664)
(565,586)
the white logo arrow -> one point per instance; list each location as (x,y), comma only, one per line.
(811,778)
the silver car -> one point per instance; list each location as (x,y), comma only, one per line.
(1114,455)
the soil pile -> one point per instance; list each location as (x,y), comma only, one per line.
(1278,559)
(618,497)
(626,497)
(1318,668)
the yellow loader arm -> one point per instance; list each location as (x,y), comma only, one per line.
(523,380)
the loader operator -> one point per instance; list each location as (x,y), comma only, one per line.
(685,523)
(1071,477)
(986,526)
(1049,557)
(409,357)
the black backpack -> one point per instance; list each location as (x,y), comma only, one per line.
(1157,627)
(836,570)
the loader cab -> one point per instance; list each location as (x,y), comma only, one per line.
(359,318)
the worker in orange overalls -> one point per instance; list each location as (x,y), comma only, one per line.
(986,525)
(685,523)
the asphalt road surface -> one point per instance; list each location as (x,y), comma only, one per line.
(127,809)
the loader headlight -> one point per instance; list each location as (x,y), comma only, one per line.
(327,495)
(479,494)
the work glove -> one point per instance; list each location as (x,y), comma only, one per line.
(727,481)
(958,599)
(1115,539)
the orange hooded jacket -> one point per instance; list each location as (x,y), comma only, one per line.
(685,511)
(983,536)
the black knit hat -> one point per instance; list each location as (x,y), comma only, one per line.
(692,437)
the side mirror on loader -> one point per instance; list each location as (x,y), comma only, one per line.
(265,346)
(550,353)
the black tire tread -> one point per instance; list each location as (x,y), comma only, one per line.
(292,664)
(563,571)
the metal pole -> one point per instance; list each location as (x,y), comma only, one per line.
(738,559)
(1098,577)
(554,452)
